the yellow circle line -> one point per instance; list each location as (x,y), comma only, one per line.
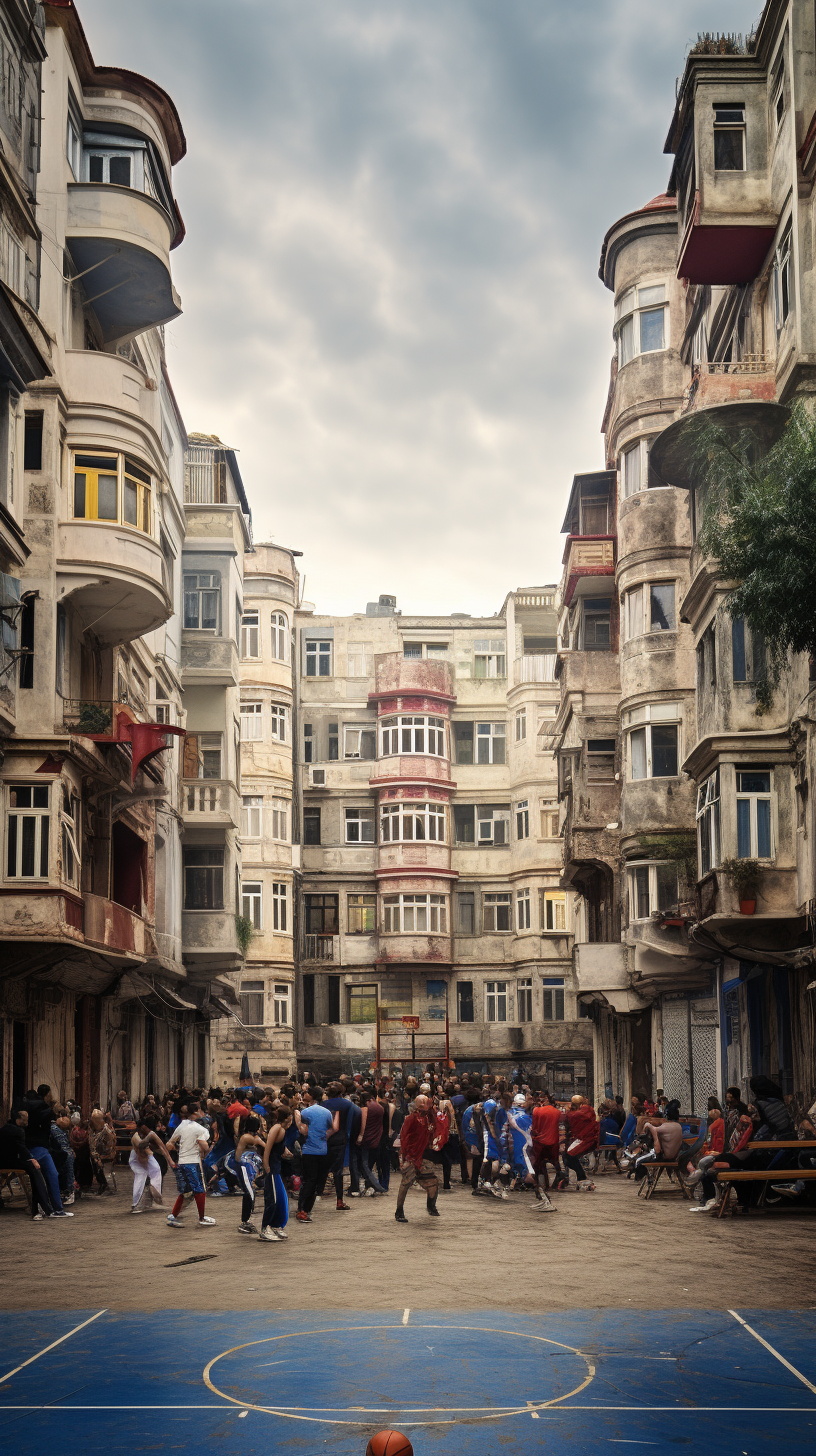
(295,1415)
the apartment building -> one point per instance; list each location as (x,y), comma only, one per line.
(107,965)
(432,922)
(676,757)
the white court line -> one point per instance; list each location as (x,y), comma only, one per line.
(775,1353)
(18,1368)
(55,1408)
(405,1314)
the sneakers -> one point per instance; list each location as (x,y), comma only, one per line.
(694,1178)
(585,1186)
(790,1190)
(704,1207)
(369,1193)
(245,1228)
(60,1213)
(544,1206)
(67,1200)
(135,1209)
(343,1208)
(400,1216)
(355,1193)
(206,1222)
(268,1236)
(281,1233)
(38,1217)
(174,1222)
(303,1217)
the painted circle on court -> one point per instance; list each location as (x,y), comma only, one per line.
(426,1415)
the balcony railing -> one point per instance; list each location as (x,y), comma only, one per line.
(93,715)
(534,668)
(748,364)
(210,797)
(535,599)
(318,948)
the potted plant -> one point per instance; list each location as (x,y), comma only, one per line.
(744,874)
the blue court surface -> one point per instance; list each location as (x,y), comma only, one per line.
(736,1382)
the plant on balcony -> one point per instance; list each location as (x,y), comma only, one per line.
(760,525)
(244,931)
(94,718)
(679,848)
(744,875)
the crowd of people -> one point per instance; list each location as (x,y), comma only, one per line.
(293,1144)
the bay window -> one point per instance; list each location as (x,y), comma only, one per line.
(202,600)
(403,821)
(281,998)
(277,722)
(653,887)
(112,488)
(252,816)
(650,608)
(412,733)
(640,322)
(250,635)
(251,722)
(754,835)
(523,819)
(634,469)
(27,829)
(412,914)
(203,879)
(729,136)
(708,822)
(552,998)
(280,637)
(654,747)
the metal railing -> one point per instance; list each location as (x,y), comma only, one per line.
(91,715)
(535,667)
(318,948)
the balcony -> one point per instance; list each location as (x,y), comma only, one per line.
(120,240)
(210,801)
(719,246)
(535,668)
(321,948)
(587,556)
(676,453)
(209,660)
(114,576)
(113,927)
(417,676)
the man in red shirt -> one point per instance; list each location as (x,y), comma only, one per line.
(416,1134)
(547,1120)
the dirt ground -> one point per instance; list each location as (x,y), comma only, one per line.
(604,1249)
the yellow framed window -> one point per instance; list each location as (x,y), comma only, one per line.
(110,487)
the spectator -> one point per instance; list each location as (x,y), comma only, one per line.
(62,1153)
(102,1147)
(368,1141)
(583,1133)
(14,1153)
(39,1106)
(124,1110)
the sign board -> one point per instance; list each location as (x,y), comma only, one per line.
(411,1023)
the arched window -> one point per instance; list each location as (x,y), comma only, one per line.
(280,634)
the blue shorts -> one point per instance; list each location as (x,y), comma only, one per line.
(188,1178)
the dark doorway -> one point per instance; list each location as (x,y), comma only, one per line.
(87,1031)
(19,1060)
(129,853)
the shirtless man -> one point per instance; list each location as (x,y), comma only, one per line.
(144,1167)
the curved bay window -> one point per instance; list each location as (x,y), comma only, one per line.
(653,888)
(404,914)
(112,488)
(412,733)
(402,821)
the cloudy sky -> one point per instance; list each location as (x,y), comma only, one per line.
(394,212)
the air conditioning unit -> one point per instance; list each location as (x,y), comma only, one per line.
(317,778)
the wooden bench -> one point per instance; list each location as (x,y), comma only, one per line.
(654,1171)
(766,1176)
(7,1175)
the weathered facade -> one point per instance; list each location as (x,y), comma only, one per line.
(432,919)
(713,287)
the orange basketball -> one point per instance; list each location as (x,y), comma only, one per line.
(389,1443)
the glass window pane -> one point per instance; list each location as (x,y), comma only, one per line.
(651,330)
(728,149)
(626,341)
(754,783)
(631,471)
(29,824)
(744,828)
(79,495)
(130,504)
(635,601)
(738,662)
(666,875)
(106,497)
(642,893)
(662,595)
(664,752)
(120,171)
(654,294)
(763,818)
(637,742)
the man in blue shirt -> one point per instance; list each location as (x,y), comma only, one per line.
(314,1123)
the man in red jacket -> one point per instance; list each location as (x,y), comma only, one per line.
(582,1137)
(416,1133)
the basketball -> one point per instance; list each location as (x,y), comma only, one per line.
(389,1443)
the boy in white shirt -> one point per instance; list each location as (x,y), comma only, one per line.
(193,1143)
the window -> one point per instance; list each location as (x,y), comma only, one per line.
(425,649)
(495,1000)
(279,906)
(308,743)
(754,814)
(600,760)
(596,615)
(250,635)
(334,1000)
(202,756)
(202,599)
(481,823)
(203,879)
(69,837)
(280,637)
(463,742)
(359,742)
(281,994)
(251,722)
(640,323)
(278,820)
(554,910)
(523,819)
(522,910)
(403,821)
(26,670)
(490,743)
(549,818)
(412,734)
(650,608)
(27,832)
(524,999)
(318,659)
(464,1000)
(748,653)
(545,729)
(729,136)
(359,659)
(778,91)
(552,999)
(334,742)
(635,472)
(466,913)
(652,889)
(362,1004)
(654,748)
(521,724)
(252,902)
(362,914)
(497,912)
(277,722)
(309,1000)
(490,660)
(33,440)
(251,997)
(359,826)
(252,816)
(783,281)
(112,488)
(311,826)
(415,913)
(73,144)
(708,822)
(321,914)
